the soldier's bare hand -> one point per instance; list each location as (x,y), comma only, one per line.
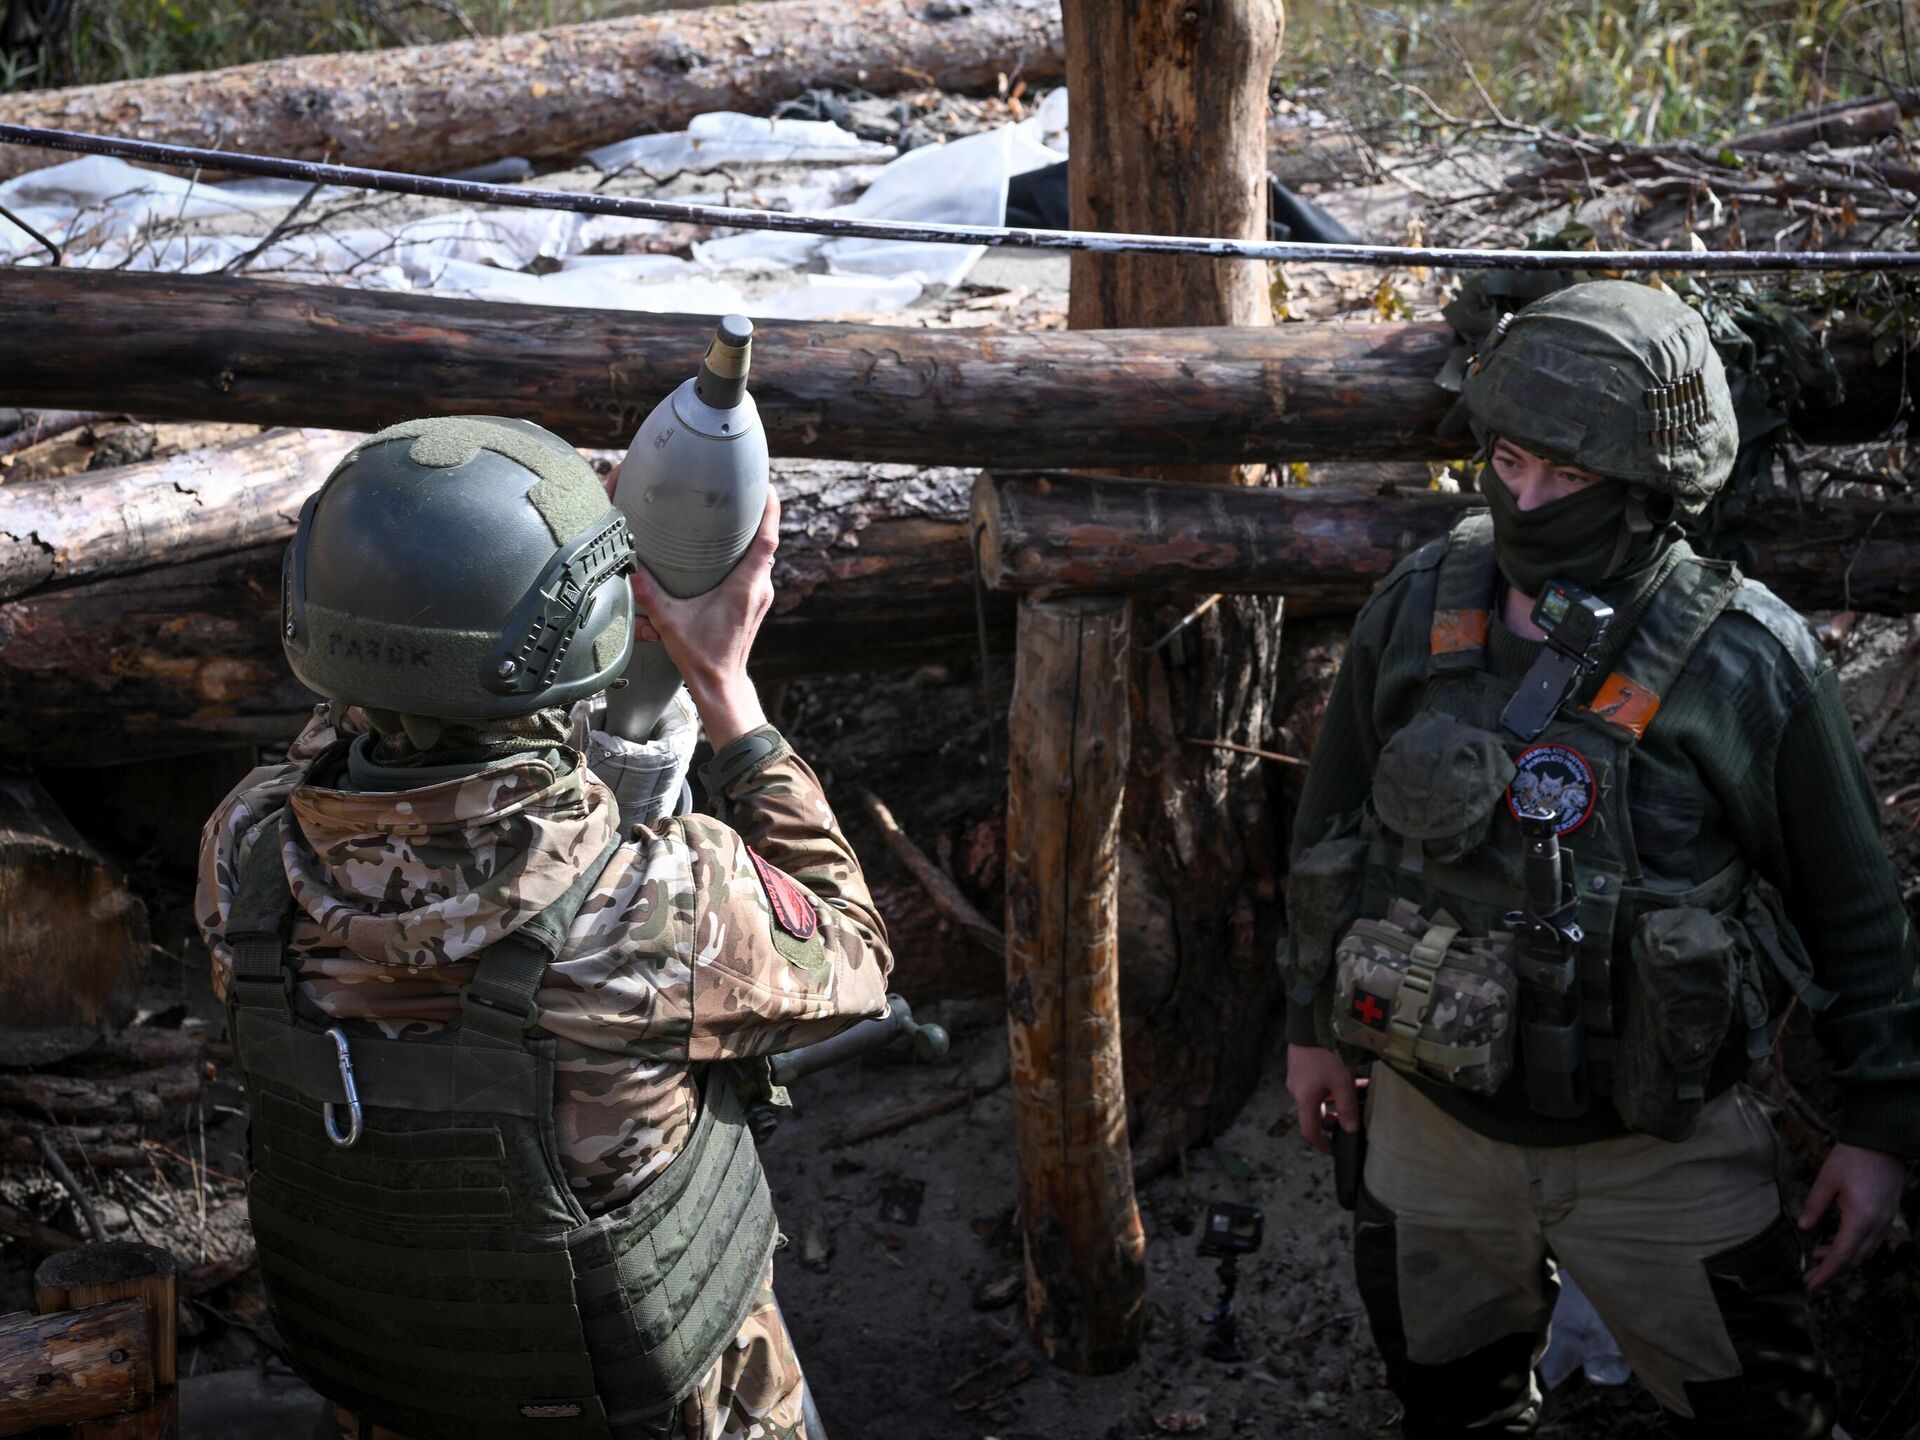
(1865,1186)
(708,637)
(1316,1079)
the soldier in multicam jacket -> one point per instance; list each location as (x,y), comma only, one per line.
(411,846)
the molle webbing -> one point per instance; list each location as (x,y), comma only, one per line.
(437,1277)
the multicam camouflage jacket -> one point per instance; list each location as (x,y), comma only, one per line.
(678,956)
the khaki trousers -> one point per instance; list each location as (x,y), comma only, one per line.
(1682,1247)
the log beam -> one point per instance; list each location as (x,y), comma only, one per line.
(1050,534)
(550,94)
(195,347)
(874,572)
(205,502)
(1068,742)
(74,1366)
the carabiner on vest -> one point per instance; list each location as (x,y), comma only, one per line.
(339,1038)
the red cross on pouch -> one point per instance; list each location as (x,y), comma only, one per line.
(1369,1009)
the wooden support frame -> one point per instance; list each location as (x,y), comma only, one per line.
(123,1275)
(1068,738)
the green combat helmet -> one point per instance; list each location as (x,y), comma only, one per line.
(1613,376)
(459,569)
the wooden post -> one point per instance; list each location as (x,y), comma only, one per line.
(1169,137)
(118,1270)
(73,1366)
(1067,734)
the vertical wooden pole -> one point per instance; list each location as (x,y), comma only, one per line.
(1169,112)
(1068,729)
(123,1270)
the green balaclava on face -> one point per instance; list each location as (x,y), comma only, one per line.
(1583,538)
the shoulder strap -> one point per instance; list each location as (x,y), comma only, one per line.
(257,928)
(1463,597)
(497,1006)
(1687,603)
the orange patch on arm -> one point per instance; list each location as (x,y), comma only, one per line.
(1457,630)
(793,912)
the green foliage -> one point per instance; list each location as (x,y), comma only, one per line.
(131,39)
(1643,70)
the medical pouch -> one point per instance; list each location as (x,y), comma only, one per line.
(1410,990)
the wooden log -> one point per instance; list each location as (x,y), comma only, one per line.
(39,1238)
(1067,739)
(145,1094)
(954,907)
(1174,97)
(204,502)
(95,1147)
(194,347)
(74,942)
(1062,534)
(74,1366)
(118,1270)
(873,572)
(550,94)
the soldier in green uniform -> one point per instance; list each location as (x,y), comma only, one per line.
(1563,685)
(496,1033)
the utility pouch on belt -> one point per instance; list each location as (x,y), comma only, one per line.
(1410,990)
(1679,1009)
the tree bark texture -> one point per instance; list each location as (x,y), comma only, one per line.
(873,572)
(550,94)
(205,502)
(74,1366)
(1172,97)
(197,347)
(73,941)
(1068,739)
(1047,534)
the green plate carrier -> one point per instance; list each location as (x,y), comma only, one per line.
(437,1276)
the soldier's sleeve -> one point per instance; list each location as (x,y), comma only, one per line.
(1341,771)
(787,945)
(1845,901)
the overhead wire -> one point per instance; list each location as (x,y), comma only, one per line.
(315,172)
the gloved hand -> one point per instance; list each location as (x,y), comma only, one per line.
(648,777)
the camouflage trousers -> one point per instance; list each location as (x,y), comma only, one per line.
(1682,1247)
(752,1391)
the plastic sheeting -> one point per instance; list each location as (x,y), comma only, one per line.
(109,214)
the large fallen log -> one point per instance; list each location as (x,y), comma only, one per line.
(1055,534)
(204,502)
(550,94)
(190,347)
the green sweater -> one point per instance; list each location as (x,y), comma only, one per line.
(1752,754)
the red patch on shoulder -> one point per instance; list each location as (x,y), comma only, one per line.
(793,912)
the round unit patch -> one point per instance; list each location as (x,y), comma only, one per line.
(1557,778)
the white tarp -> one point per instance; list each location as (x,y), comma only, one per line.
(109,214)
